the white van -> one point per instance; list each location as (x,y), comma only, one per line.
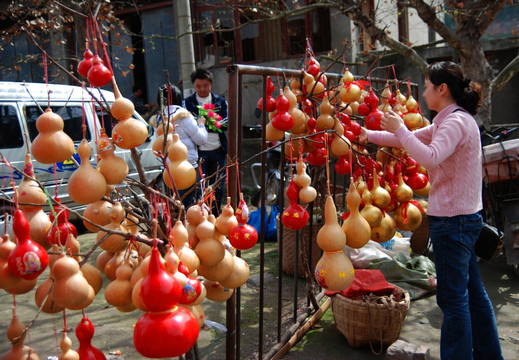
(22,103)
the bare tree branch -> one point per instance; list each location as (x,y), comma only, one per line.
(427,14)
(499,82)
(494,7)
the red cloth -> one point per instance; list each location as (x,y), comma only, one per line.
(366,281)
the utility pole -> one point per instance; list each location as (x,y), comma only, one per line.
(185,44)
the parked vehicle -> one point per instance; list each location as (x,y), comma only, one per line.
(501,188)
(22,103)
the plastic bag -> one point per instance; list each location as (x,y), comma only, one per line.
(270,222)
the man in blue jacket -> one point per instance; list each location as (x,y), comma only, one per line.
(214,108)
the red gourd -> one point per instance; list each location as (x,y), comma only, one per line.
(84,333)
(98,74)
(160,291)
(166,334)
(28,259)
(294,217)
(243,236)
(85,64)
(59,231)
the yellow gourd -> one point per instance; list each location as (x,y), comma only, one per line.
(372,214)
(331,237)
(129,133)
(86,185)
(71,290)
(209,250)
(114,242)
(182,172)
(112,167)
(52,144)
(355,227)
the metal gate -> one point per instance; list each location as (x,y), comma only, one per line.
(289,328)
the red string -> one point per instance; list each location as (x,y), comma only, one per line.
(350,155)
(46,76)
(55,180)
(408,86)
(95,122)
(227,177)
(107,59)
(88,34)
(64,321)
(14,299)
(238,177)
(94,37)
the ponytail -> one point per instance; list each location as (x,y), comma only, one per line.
(467,93)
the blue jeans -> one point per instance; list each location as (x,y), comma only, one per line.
(469,329)
(212,161)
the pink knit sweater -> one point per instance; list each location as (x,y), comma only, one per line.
(450,150)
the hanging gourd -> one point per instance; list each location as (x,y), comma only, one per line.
(66,352)
(238,276)
(282,120)
(16,333)
(119,292)
(184,252)
(355,227)
(181,170)
(84,333)
(61,227)
(220,271)
(243,236)
(112,167)
(297,115)
(98,212)
(49,307)
(325,120)
(28,259)
(129,133)
(114,242)
(122,108)
(71,290)
(407,216)
(217,292)
(209,250)
(86,185)
(294,217)
(85,64)
(307,193)
(226,221)
(165,330)
(31,198)
(52,144)
(385,230)
(99,75)
(9,281)
(372,214)
(334,270)
(381,196)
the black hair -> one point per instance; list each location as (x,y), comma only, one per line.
(164,92)
(137,87)
(467,93)
(201,74)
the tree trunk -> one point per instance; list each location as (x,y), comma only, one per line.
(477,68)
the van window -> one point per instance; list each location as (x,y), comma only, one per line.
(10,131)
(72,118)
(105,118)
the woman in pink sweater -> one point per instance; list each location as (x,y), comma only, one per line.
(450,150)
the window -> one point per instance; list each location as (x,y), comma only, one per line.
(72,118)
(10,131)
(267,40)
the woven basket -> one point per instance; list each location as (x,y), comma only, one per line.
(289,249)
(372,319)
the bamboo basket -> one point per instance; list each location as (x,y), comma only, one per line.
(371,319)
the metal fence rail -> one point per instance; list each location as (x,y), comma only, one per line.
(302,308)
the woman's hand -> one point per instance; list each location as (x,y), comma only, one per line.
(363,136)
(201,120)
(391,121)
